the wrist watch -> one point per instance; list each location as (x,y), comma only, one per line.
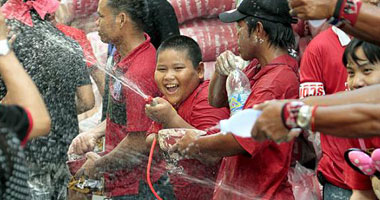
(4,47)
(304,117)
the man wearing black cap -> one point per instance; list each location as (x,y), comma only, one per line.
(252,170)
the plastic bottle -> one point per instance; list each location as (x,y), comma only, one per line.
(238,90)
(240,124)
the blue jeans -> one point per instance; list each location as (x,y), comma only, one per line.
(163,188)
(332,192)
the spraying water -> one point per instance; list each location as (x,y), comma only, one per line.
(124,81)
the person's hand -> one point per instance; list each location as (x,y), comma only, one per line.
(312,9)
(83,143)
(88,169)
(3,27)
(186,145)
(227,61)
(162,112)
(149,141)
(270,126)
(188,148)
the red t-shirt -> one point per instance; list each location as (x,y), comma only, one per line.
(196,111)
(262,173)
(80,37)
(354,179)
(126,112)
(322,72)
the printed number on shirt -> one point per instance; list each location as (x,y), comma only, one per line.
(311,89)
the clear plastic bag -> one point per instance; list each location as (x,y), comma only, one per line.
(315,138)
(304,183)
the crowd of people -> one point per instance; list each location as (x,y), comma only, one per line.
(319,109)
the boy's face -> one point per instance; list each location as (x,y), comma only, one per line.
(362,73)
(175,75)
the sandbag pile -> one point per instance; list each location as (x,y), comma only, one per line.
(78,13)
(187,10)
(212,35)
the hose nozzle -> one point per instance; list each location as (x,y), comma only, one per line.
(150,100)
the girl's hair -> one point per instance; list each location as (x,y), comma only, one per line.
(371,51)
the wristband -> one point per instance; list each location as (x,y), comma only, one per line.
(350,11)
(289,114)
(346,11)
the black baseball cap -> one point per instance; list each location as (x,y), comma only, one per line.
(271,10)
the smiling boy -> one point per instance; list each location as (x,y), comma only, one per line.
(179,76)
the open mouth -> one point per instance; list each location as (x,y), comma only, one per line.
(171,88)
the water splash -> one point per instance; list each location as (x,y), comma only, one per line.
(124,81)
(242,193)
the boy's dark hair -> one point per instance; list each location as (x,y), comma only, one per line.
(371,51)
(136,10)
(280,35)
(183,43)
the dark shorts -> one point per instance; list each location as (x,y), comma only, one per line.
(332,192)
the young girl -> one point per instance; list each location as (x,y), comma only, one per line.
(362,60)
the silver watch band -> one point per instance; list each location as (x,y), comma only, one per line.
(304,117)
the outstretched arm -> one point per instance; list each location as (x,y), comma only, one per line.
(355,120)
(365,28)
(368,94)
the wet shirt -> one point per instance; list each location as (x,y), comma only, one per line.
(55,64)
(15,126)
(262,172)
(322,72)
(126,111)
(13,170)
(196,111)
(80,37)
